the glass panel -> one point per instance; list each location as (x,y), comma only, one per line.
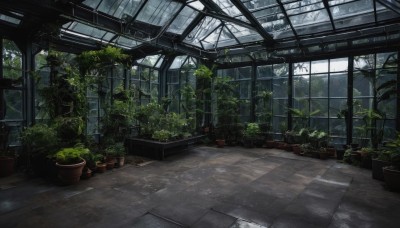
(13,101)
(319,85)
(9,19)
(230,9)
(158,12)
(319,66)
(182,21)
(384,13)
(197,5)
(178,62)
(352,13)
(245,89)
(264,71)
(91,3)
(150,60)
(301,68)
(281,70)
(244,35)
(202,30)
(361,86)
(301,86)
(338,85)
(337,65)
(12,60)
(126,43)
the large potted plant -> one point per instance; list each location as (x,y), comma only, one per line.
(392,173)
(70,163)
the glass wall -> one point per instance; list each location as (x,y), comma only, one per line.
(374,93)
(242,78)
(271,97)
(145,80)
(319,95)
(11,92)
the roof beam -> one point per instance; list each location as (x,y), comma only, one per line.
(288,20)
(256,24)
(326,5)
(390,6)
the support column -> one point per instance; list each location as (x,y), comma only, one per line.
(349,123)
(253,92)
(290,96)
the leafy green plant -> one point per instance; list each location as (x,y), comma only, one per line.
(40,138)
(115,150)
(71,155)
(252,130)
(162,135)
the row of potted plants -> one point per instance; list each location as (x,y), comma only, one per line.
(384,161)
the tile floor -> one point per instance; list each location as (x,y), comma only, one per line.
(208,187)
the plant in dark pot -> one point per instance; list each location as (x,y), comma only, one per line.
(380,159)
(392,173)
(70,163)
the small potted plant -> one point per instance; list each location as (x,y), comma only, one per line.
(115,155)
(250,134)
(70,163)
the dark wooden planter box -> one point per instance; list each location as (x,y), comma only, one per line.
(158,150)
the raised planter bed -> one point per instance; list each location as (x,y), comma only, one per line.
(158,150)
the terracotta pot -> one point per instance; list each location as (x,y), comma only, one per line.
(110,165)
(101,167)
(70,174)
(6,166)
(270,144)
(220,143)
(296,149)
(120,161)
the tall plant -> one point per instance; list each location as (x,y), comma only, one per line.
(383,92)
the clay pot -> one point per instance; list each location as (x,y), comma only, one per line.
(101,167)
(6,166)
(220,143)
(120,161)
(70,174)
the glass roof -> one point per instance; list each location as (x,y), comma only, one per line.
(215,24)
(88,32)
(183,61)
(9,19)
(211,26)
(151,60)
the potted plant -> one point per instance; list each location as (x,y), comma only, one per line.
(366,157)
(391,173)
(116,152)
(70,163)
(250,134)
(380,160)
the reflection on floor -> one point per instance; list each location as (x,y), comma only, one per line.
(208,187)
